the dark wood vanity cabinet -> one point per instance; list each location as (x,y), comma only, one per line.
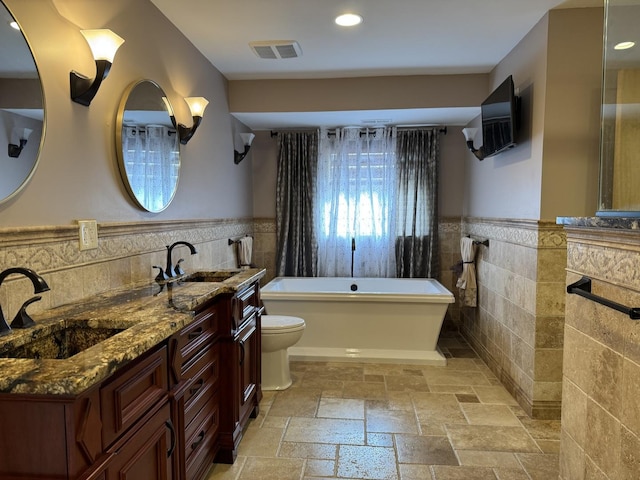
(195,377)
(168,414)
(241,352)
(120,429)
(215,380)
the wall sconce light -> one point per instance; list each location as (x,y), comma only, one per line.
(196,106)
(15,150)
(469,135)
(247,138)
(104,44)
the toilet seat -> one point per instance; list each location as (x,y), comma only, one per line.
(279,324)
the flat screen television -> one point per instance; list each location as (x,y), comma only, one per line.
(500,119)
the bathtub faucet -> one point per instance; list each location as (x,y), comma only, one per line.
(353,249)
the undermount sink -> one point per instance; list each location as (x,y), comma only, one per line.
(210,276)
(62,343)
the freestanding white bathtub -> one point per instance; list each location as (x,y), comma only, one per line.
(363,319)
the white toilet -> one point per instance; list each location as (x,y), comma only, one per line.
(279,332)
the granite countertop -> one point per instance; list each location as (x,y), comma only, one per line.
(147,314)
(621,222)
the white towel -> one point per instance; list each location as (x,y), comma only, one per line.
(245,245)
(467,286)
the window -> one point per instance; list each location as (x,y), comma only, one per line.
(355,198)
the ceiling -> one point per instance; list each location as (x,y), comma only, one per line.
(399,37)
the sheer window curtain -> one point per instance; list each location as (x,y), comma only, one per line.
(417,252)
(297,249)
(356,200)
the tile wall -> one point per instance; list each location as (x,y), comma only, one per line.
(600,437)
(264,246)
(517,327)
(125,255)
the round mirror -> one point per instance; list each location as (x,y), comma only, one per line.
(21,109)
(147,146)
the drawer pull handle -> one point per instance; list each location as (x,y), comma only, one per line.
(195,444)
(173,437)
(241,343)
(196,386)
(196,333)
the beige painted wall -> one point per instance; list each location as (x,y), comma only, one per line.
(571,154)
(78,175)
(554,169)
(508,184)
(365,93)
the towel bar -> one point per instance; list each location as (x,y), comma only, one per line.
(583,288)
(231,242)
(484,242)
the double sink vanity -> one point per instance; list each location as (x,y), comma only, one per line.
(153,381)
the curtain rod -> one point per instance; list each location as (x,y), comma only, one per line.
(442,130)
(143,131)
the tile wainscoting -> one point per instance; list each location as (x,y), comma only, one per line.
(517,328)
(600,435)
(126,253)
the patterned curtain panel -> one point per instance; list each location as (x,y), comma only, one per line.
(417,254)
(297,248)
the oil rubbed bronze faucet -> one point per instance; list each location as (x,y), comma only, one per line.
(22,318)
(170,271)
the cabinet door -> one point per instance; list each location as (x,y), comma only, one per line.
(147,455)
(247,344)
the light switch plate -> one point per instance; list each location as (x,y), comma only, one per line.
(88,232)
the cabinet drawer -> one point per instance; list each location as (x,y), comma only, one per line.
(206,371)
(246,302)
(208,353)
(131,394)
(194,336)
(200,461)
(202,429)
(199,400)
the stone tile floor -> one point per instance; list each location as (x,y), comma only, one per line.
(395,422)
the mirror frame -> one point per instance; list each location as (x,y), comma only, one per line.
(120,125)
(36,162)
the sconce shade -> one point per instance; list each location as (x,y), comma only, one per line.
(15,150)
(197,106)
(469,135)
(104,44)
(247,138)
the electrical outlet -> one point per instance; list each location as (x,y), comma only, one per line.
(88,230)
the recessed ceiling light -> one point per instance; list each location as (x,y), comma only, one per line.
(624,45)
(348,20)
(14,25)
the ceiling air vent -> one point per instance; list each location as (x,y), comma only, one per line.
(275,49)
